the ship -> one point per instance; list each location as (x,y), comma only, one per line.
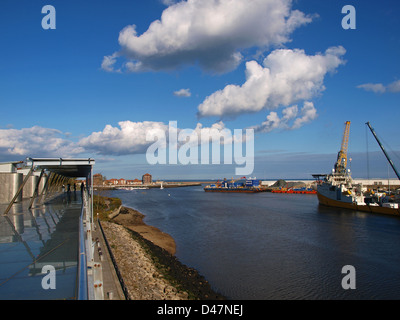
(295,190)
(248,186)
(338,189)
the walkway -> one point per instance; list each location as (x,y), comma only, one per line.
(46,235)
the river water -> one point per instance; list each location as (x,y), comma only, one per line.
(275,246)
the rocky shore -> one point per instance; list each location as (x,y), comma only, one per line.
(146,261)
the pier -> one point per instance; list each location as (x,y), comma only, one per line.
(51,245)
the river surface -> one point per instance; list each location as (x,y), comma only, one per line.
(275,246)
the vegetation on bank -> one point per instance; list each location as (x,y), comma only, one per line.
(104,206)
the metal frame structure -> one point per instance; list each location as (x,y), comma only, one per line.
(60,171)
(341,163)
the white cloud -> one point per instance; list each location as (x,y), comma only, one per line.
(36,141)
(219,132)
(308,114)
(287,76)
(109,62)
(291,119)
(169,2)
(374,87)
(393,87)
(183,93)
(129,138)
(208,32)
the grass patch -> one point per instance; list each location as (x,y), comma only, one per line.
(105,205)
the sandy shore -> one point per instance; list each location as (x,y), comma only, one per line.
(146,261)
(133,220)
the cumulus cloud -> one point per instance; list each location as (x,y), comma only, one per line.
(136,137)
(36,141)
(219,132)
(109,62)
(393,87)
(183,93)
(286,76)
(169,2)
(291,118)
(129,138)
(374,87)
(208,32)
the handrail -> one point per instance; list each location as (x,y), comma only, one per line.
(82,263)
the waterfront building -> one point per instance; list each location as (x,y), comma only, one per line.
(147,179)
(112,182)
(98,179)
(133,182)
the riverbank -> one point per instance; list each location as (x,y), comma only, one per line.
(145,258)
(133,220)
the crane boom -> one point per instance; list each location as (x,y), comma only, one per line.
(341,163)
(384,151)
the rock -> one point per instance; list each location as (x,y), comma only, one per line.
(144,278)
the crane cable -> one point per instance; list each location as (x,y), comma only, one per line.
(366,135)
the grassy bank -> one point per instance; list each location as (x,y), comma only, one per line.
(104,206)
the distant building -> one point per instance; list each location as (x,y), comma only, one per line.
(147,179)
(98,179)
(121,182)
(108,183)
(112,181)
(133,182)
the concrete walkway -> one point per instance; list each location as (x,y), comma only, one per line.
(112,286)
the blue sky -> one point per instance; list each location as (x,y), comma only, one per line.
(57,91)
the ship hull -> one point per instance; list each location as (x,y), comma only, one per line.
(323,200)
(232,190)
(295,191)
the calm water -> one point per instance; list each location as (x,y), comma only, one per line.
(275,246)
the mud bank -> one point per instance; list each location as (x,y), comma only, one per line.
(145,258)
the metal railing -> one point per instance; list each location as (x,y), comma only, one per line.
(82,260)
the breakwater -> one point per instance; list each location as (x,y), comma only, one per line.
(149,186)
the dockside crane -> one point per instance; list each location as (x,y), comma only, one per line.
(341,163)
(384,151)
